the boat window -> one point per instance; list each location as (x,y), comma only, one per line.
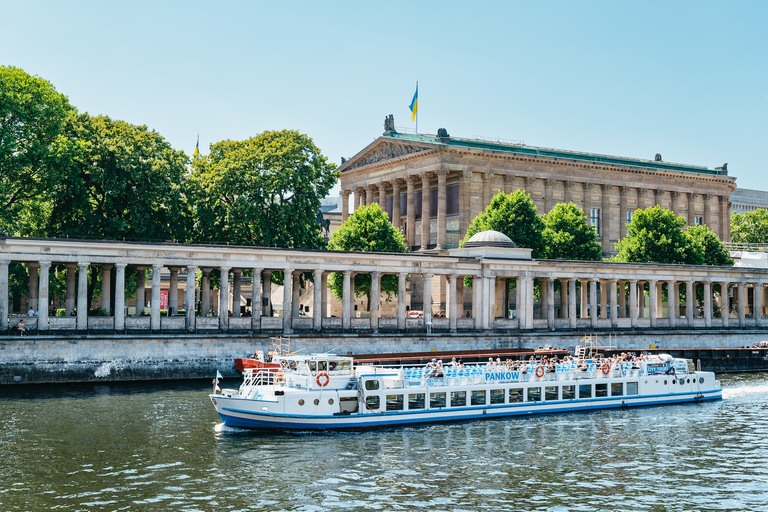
(569,392)
(458,398)
(585,390)
(394,402)
(631,388)
(436,400)
(372,402)
(478,397)
(617,389)
(497,396)
(601,389)
(416,401)
(372,385)
(344,366)
(534,395)
(515,395)
(550,393)
(332,366)
(322,366)
(313,366)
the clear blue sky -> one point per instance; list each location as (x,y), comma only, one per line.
(687,79)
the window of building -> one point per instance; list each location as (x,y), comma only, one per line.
(436,400)
(515,395)
(497,396)
(388,206)
(458,398)
(569,392)
(698,221)
(629,216)
(416,401)
(478,397)
(452,199)
(394,402)
(594,219)
(417,204)
(403,205)
(550,393)
(534,394)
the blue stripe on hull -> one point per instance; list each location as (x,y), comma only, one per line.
(351,422)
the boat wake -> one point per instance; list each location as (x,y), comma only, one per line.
(745,390)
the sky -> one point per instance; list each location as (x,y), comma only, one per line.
(687,79)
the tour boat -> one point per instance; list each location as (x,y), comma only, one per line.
(331,392)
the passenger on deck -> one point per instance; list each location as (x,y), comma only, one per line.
(431,369)
(454,364)
(491,364)
(461,364)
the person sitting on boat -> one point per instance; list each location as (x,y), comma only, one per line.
(332,366)
(439,368)
(454,364)
(491,364)
(431,368)
(461,364)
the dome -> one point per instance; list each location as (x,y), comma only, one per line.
(490,238)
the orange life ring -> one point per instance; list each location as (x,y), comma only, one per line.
(606,368)
(325,376)
(539,371)
(279,378)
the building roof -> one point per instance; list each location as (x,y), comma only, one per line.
(522,149)
(490,238)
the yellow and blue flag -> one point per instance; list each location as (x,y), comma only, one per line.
(197,148)
(415,103)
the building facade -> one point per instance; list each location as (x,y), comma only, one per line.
(433,186)
(745,200)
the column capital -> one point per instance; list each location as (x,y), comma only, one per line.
(624,190)
(347,272)
(410,179)
(605,187)
(82,264)
(45,263)
(466,175)
(442,174)
(569,185)
(529,181)
(633,281)
(237,271)
(158,266)
(674,194)
(32,264)
(318,271)
(359,190)
(642,191)
(430,276)
(509,178)
(382,185)
(551,182)
(345,193)
(658,193)
(487,176)
(425,176)
(121,265)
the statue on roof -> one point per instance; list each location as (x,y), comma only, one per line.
(658,157)
(389,123)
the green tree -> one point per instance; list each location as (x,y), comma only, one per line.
(264,191)
(514,215)
(750,227)
(120,181)
(653,235)
(32,115)
(368,230)
(705,248)
(567,236)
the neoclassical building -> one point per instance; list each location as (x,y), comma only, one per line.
(438,184)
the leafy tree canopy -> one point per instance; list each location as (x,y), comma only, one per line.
(567,236)
(119,180)
(750,227)
(705,248)
(514,215)
(368,229)
(32,115)
(265,191)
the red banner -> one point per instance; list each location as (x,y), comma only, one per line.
(164,299)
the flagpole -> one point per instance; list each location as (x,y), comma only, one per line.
(417,107)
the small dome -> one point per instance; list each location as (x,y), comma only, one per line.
(490,238)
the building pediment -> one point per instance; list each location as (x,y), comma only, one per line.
(383,150)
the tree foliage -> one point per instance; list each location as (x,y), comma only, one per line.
(567,236)
(514,215)
(656,235)
(368,230)
(120,181)
(750,227)
(265,191)
(32,115)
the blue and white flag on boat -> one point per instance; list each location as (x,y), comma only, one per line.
(218,375)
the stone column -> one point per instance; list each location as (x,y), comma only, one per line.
(442,174)
(671,297)
(568,192)
(564,298)
(452,293)
(593,303)
(296,295)
(346,313)
(477,286)
(465,193)
(677,300)
(487,177)
(383,198)
(653,301)
(70,300)
(154,318)
(612,302)
(571,303)
(428,298)
(543,298)
(549,189)
(205,292)
(317,299)
(42,304)
(518,300)
(551,304)
(173,291)
(725,219)
(425,213)
(266,292)
(236,290)
(707,300)
(344,205)
(622,299)
(742,287)
(690,300)
(603,298)
(368,195)
(4,296)
(725,307)
(707,216)
(224,299)
(584,298)
(605,219)
(82,297)
(633,303)
(757,310)
(119,297)
(375,299)
(33,269)
(395,217)
(410,219)
(190,297)
(287,300)
(641,299)
(256,302)
(659,312)
(587,200)
(401,300)
(691,208)
(106,288)
(658,197)
(674,197)
(527,299)
(324,294)
(623,210)
(358,197)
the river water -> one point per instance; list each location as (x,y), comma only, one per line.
(145,447)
